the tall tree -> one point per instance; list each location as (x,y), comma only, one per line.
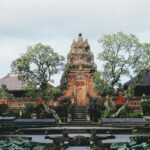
(143,62)
(101,86)
(120,52)
(123,54)
(37,66)
(4,94)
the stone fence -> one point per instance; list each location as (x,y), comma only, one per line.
(20,102)
(134,102)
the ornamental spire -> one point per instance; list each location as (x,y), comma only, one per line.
(80,34)
(80,39)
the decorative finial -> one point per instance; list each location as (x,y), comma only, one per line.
(80,34)
(80,39)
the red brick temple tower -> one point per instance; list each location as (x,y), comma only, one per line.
(78,76)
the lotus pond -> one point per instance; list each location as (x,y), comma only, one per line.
(23,143)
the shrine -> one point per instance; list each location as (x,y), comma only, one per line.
(78,75)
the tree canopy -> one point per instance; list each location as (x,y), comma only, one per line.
(38,65)
(101,86)
(121,55)
(4,94)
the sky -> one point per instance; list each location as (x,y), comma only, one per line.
(58,22)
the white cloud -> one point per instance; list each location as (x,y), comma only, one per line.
(55,22)
(32,18)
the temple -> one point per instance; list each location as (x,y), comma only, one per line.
(143,87)
(78,76)
(13,85)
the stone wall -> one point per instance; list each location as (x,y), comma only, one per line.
(20,102)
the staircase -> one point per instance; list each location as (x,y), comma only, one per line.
(79,116)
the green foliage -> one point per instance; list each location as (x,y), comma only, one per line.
(23,143)
(19,144)
(4,94)
(119,146)
(130,145)
(135,114)
(94,109)
(143,62)
(37,66)
(126,113)
(27,110)
(118,106)
(146,107)
(122,53)
(109,107)
(3,109)
(12,112)
(101,86)
(39,110)
(62,111)
(48,93)
(55,93)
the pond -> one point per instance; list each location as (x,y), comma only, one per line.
(39,142)
(78,148)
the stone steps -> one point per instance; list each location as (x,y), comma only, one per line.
(79,123)
(79,116)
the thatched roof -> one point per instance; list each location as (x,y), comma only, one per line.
(12,82)
(145,81)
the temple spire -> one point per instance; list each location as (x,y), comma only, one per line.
(80,39)
(80,34)
(79,75)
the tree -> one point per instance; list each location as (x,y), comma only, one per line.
(100,85)
(123,54)
(28,110)
(120,52)
(4,94)
(3,108)
(140,66)
(143,62)
(37,66)
(146,107)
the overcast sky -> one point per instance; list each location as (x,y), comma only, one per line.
(58,22)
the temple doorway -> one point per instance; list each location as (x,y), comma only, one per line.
(80,92)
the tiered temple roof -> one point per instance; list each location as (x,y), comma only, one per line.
(80,53)
(143,87)
(12,82)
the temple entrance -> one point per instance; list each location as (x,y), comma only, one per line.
(80,92)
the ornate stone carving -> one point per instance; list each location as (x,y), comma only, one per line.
(80,67)
(80,52)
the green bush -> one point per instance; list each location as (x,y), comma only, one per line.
(27,110)
(12,112)
(135,114)
(4,94)
(39,110)
(62,111)
(146,107)
(3,109)
(126,113)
